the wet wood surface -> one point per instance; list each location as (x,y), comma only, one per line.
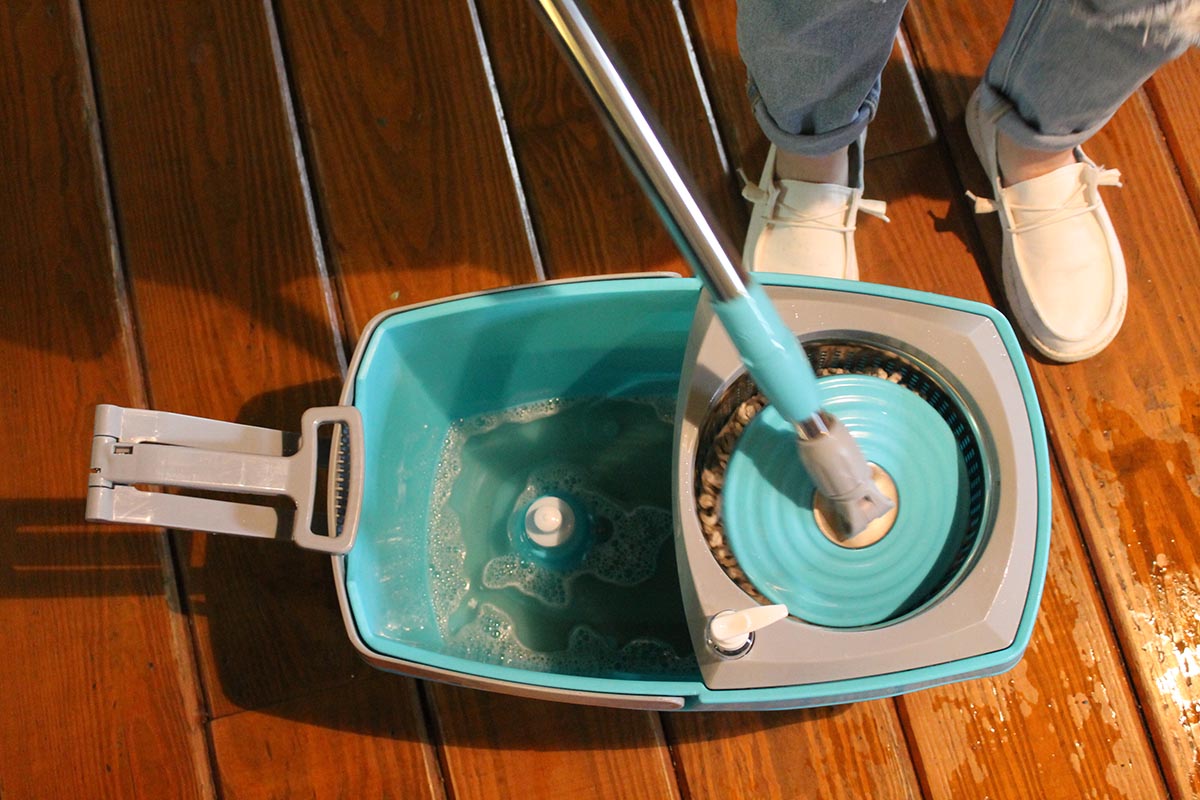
(1123,424)
(201,204)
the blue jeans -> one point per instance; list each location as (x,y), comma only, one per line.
(814,68)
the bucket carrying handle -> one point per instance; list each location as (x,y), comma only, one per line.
(132,447)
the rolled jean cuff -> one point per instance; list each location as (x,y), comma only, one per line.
(818,144)
(1021,132)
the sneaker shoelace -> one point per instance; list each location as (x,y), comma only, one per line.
(777,212)
(1094,177)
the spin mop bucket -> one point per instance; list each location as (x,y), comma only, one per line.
(577,490)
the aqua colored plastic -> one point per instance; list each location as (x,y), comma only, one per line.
(768,501)
(423,368)
(771,354)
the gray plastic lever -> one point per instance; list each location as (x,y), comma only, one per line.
(841,473)
(135,446)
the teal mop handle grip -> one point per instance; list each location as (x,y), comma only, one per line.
(771,353)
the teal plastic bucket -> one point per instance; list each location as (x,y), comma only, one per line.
(422,371)
(583,348)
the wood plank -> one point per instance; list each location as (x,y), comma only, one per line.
(92,645)
(848,751)
(215,221)
(926,246)
(1172,92)
(365,739)
(415,187)
(494,745)
(1133,464)
(902,123)
(1123,422)
(590,215)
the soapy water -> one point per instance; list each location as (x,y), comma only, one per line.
(618,609)
(622,552)
(491,637)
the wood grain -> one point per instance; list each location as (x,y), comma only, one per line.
(226,256)
(845,751)
(235,323)
(415,187)
(231,304)
(1064,722)
(364,739)
(902,123)
(1172,93)
(1123,422)
(499,746)
(1061,724)
(589,214)
(93,639)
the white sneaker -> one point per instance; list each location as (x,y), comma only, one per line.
(1064,274)
(806,228)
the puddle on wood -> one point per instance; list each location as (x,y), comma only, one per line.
(1140,474)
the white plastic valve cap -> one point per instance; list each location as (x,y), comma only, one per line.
(549,522)
(730,630)
(547,519)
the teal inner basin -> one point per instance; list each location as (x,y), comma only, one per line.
(473,407)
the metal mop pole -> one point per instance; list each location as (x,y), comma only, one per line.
(770,350)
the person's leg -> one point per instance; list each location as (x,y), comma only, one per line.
(1053,82)
(813,68)
(1057,77)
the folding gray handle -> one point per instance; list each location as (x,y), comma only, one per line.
(135,446)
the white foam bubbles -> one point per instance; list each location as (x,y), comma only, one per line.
(491,637)
(487,476)
(624,548)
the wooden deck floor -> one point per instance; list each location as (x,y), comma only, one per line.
(201,204)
